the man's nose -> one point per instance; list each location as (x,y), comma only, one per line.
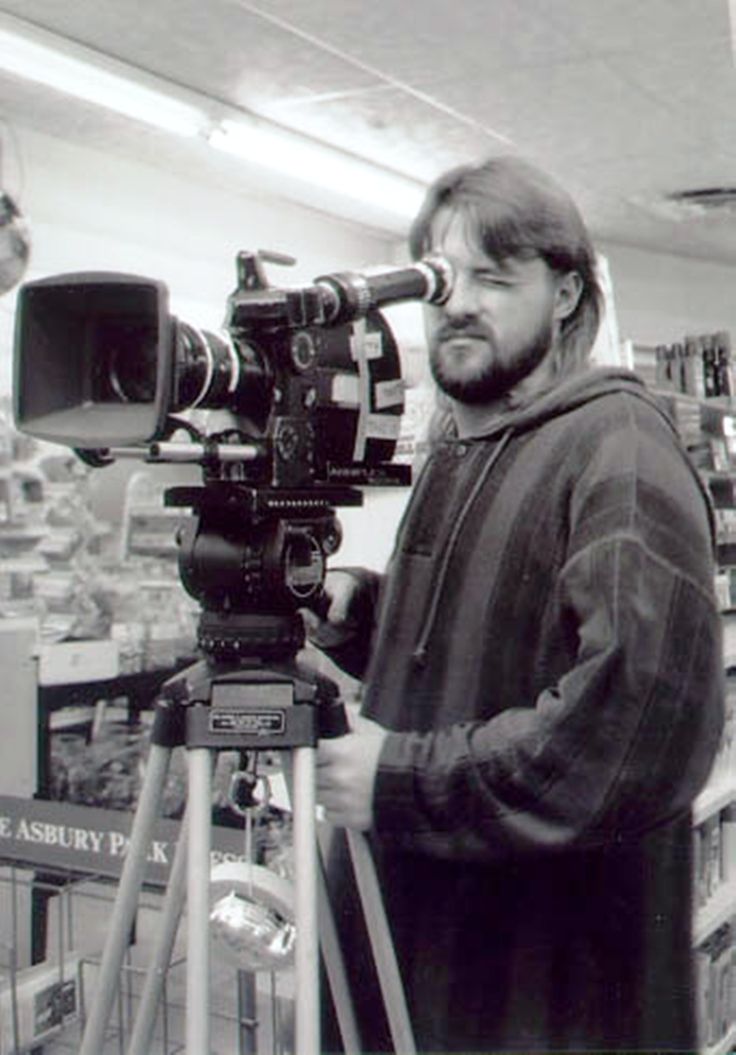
(462,301)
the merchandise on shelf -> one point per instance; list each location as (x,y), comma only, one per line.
(79,577)
(701,366)
(37,1002)
(715,972)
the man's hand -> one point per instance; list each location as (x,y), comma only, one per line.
(346,774)
(341,589)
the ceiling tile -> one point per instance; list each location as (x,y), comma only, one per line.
(583,108)
(697,86)
(649,28)
(417,43)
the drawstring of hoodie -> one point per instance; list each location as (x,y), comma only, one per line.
(420,650)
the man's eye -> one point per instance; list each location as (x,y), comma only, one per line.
(490,278)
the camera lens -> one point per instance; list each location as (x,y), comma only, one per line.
(211,372)
(130,362)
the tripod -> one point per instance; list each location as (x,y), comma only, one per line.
(253,706)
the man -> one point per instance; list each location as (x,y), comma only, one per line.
(543,694)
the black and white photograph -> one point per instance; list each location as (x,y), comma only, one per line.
(368,527)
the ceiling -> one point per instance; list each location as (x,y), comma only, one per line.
(625,101)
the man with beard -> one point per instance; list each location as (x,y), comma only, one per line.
(542,665)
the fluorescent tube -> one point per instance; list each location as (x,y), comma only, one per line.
(318,164)
(74,70)
(35,54)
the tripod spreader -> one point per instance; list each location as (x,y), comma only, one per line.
(247,707)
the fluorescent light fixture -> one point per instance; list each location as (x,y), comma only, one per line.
(45,58)
(37,55)
(318,164)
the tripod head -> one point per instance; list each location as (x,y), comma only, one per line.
(253,557)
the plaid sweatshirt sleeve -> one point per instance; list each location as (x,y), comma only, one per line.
(623,739)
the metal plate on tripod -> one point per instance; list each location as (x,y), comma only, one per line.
(249,722)
(259,715)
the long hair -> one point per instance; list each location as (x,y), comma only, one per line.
(513,209)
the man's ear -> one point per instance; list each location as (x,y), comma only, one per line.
(567,296)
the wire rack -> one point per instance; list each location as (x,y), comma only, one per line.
(52,930)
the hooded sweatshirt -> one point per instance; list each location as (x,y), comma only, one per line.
(548,664)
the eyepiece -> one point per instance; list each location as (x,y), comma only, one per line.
(352,295)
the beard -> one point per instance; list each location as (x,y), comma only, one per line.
(496,375)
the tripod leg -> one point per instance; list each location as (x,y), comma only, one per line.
(140,1037)
(126,901)
(307,938)
(335,967)
(328,937)
(198,910)
(384,955)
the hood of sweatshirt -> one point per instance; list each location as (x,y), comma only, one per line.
(585,387)
(571,393)
(594,383)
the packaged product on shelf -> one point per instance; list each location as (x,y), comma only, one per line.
(728,843)
(714,974)
(692,374)
(130,637)
(726,524)
(664,374)
(38,1003)
(724,363)
(724,764)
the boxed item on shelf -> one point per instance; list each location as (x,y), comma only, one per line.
(707,859)
(728,843)
(77,661)
(715,981)
(724,763)
(729,636)
(38,1002)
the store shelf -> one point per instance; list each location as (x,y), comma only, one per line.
(717,405)
(712,799)
(718,910)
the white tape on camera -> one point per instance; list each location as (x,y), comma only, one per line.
(382,426)
(389,393)
(359,349)
(345,390)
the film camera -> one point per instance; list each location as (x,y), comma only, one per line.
(311,382)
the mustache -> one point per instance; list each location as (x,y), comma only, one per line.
(463,328)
